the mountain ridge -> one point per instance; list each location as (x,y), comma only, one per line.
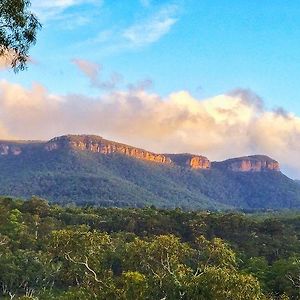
(105,173)
(98,144)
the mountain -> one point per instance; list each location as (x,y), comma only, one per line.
(90,169)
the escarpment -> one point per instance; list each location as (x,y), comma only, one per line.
(6,149)
(97,144)
(254,163)
(16,148)
(190,160)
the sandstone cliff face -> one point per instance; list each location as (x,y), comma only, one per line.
(190,160)
(255,163)
(7,149)
(254,166)
(199,162)
(96,144)
(100,145)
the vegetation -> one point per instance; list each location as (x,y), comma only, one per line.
(53,252)
(64,176)
(18,28)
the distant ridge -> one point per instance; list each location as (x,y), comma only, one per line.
(90,169)
(97,144)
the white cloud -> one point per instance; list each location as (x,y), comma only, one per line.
(151,25)
(152,29)
(51,9)
(220,127)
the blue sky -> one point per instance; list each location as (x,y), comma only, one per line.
(205,47)
(211,77)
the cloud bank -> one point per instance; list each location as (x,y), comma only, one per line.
(227,125)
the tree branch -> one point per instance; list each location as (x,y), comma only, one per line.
(86,265)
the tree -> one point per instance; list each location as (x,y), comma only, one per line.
(18,28)
(85,259)
(166,268)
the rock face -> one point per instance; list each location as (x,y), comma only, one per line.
(255,163)
(9,149)
(200,162)
(190,160)
(99,145)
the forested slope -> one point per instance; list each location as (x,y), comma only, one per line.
(88,169)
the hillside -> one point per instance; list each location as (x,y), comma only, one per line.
(90,169)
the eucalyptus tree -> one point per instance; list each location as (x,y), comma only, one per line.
(18,29)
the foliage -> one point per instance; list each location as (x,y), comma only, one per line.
(53,252)
(18,27)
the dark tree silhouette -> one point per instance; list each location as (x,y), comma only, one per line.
(18,29)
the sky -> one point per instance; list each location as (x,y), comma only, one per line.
(211,77)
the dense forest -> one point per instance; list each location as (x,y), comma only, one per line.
(54,252)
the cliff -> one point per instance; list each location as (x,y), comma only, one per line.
(190,160)
(15,148)
(97,144)
(254,163)
(6,149)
